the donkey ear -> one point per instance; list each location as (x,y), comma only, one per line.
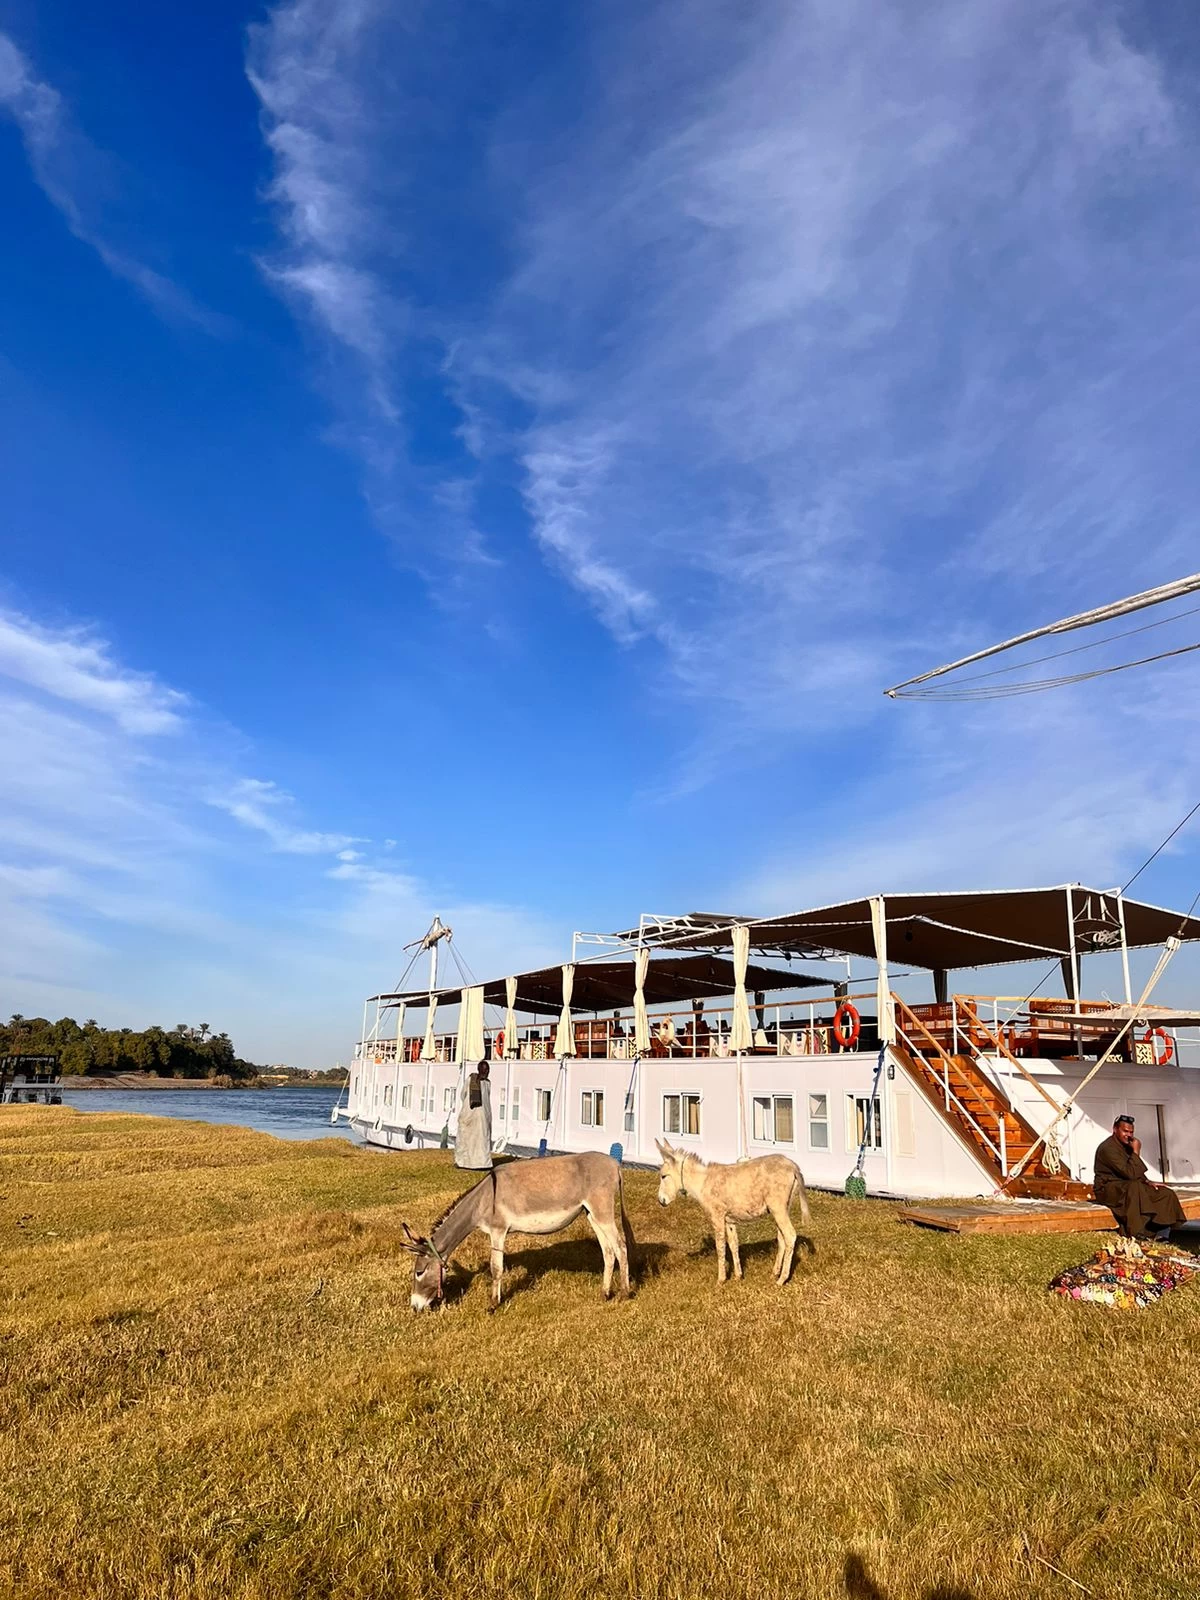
(412,1241)
(664,1149)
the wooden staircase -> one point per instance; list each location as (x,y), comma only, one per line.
(966,1098)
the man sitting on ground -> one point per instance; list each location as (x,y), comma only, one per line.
(1143,1210)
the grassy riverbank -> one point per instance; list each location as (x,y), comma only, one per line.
(213,1387)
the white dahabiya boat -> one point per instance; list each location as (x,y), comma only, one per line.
(701,1029)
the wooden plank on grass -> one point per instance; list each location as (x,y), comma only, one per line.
(1000,1218)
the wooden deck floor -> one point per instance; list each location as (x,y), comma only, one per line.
(1042,1216)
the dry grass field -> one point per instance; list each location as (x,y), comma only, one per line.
(213,1387)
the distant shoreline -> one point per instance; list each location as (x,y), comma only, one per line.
(139,1081)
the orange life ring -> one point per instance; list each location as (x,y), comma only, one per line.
(1160,1033)
(846,1036)
(498,1046)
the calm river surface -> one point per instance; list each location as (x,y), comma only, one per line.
(287,1113)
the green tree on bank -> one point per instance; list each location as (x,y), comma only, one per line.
(184,1052)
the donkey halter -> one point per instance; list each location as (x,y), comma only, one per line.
(440,1293)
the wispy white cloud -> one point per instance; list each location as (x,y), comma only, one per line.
(123,896)
(860,294)
(822,343)
(74,665)
(72,175)
(303,65)
(843,312)
(260,805)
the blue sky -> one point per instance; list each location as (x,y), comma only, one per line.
(489,460)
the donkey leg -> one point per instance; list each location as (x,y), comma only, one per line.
(778,1251)
(608,1248)
(497,1266)
(731,1234)
(622,1248)
(787,1242)
(720,1239)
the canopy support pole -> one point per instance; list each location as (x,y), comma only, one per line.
(1124,949)
(883,990)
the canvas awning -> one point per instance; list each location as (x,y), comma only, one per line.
(953,930)
(607,985)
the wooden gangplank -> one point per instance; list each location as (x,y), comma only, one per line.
(1052,1216)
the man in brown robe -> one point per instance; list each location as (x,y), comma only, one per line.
(1143,1210)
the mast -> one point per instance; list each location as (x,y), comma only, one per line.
(437,932)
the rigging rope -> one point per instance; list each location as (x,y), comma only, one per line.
(1082,619)
(1078,649)
(1006,691)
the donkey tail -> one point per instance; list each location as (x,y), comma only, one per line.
(798,1188)
(630,1241)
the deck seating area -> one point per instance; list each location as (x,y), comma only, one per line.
(777,1031)
(1039,1029)
(1029,1029)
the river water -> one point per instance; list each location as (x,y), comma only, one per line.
(288,1113)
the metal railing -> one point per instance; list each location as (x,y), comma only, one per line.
(904,1015)
(795,1029)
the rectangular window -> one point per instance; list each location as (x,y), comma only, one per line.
(406,1097)
(422,1099)
(763,1132)
(670,1113)
(629,1112)
(865,1122)
(785,1121)
(502,1110)
(681,1114)
(514,1105)
(591,1112)
(354,1084)
(818,1122)
(449,1096)
(387,1094)
(543,1104)
(774,1119)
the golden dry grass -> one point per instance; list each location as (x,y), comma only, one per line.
(213,1386)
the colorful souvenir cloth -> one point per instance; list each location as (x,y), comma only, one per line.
(1127,1275)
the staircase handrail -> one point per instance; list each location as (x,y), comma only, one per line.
(962,1110)
(962,1002)
(914,1018)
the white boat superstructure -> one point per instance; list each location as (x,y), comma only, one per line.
(702,1030)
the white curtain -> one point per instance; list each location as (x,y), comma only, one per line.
(883,988)
(641,1022)
(510,1018)
(740,1036)
(428,1050)
(565,1042)
(469,1044)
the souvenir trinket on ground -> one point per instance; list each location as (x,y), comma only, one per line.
(1127,1275)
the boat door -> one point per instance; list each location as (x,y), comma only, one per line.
(1151,1128)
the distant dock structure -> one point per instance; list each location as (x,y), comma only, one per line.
(30,1080)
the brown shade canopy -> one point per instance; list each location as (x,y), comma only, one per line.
(607,985)
(943,931)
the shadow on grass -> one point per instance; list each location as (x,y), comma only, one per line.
(523,1268)
(578,1255)
(751,1250)
(861,1586)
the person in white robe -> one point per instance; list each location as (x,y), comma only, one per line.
(473,1146)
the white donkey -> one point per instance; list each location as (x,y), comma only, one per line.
(730,1194)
